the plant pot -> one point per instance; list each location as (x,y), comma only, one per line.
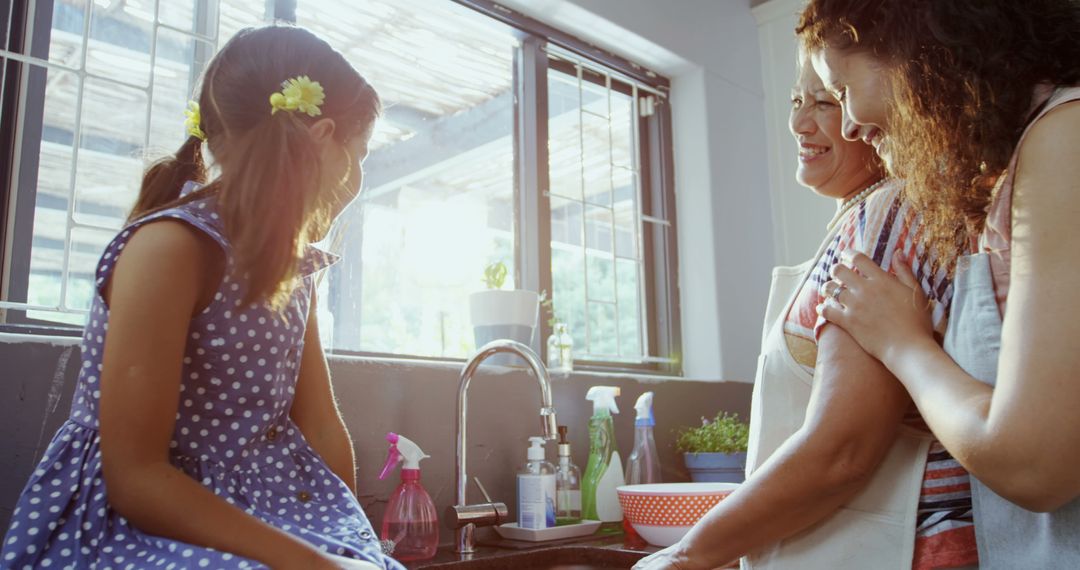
(504,314)
(716,467)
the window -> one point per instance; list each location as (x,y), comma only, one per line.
(501,140)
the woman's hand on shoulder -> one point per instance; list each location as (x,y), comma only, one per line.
(880,311)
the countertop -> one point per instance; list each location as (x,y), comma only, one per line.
(614,549)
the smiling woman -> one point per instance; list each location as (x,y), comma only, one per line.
(829,164)
(822,405)
(861,86)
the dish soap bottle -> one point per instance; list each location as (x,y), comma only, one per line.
(643,466)
(536,489)
(410,522)
(604,473)
(567,485)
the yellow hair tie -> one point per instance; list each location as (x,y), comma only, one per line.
(298,94)
(193,121)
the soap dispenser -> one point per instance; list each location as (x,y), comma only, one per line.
(536,489)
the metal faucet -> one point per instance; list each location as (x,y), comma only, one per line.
(467,517)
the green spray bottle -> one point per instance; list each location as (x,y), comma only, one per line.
(604,473)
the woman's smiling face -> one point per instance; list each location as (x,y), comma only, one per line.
(862,87)
(828,164)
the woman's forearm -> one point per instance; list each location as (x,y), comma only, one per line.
(953,404)
(799,486)
(160,500)
(852,418)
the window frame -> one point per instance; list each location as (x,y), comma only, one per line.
(532,213)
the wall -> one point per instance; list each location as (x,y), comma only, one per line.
(709,49)
(377,396)
(799,215)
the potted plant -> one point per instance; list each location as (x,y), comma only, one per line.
(497,314)
(716,451)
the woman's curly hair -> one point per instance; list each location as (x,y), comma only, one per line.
(963,74)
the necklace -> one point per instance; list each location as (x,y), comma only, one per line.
(852,202)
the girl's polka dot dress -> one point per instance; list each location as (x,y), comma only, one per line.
(233,434)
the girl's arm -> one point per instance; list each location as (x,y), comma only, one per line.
(851,423)
(315,411)
(1021,438)
(158,284)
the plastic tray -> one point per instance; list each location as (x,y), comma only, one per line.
(513,532)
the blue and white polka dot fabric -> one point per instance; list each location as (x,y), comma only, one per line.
(233,434)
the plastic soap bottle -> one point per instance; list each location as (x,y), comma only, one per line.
(536,489)
(604,473)
(410,522)
(643,465)
(567,485)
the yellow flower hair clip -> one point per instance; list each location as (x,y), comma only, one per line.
(298,94)
(193,121)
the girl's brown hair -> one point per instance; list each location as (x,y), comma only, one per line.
(271,192)
(963,74)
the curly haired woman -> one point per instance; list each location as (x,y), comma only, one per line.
(977,104)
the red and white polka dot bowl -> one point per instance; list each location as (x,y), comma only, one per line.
(662,513)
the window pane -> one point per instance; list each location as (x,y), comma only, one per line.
(110,163)
(567,265)
(185,15)
(600,271)
(54,181)
(86,247)
(117,99)
(438,198)
(602,334)
(120,38)
(178,62)
(597,271)
(626,214)
(66,42)
(235,15)
(564,135)
(596,134)
(628,274)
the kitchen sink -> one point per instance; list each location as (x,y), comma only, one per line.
(553,558)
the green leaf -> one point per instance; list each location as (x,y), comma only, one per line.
(495,275)
(724,434)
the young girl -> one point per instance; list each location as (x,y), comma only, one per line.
(203,431)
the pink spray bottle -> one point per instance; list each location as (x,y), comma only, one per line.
(410,521)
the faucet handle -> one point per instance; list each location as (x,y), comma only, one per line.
(484,514)
(487,497)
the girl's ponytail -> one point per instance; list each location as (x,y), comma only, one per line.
(162,182)
(266,199)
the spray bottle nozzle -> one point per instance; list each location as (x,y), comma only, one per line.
(644,411)
(402,449)
(603,398)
